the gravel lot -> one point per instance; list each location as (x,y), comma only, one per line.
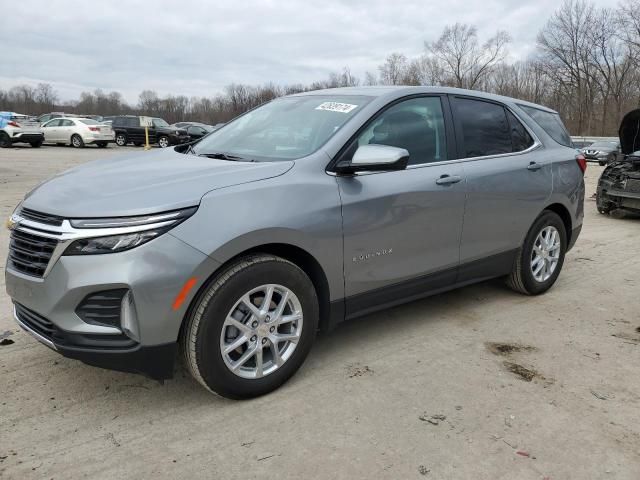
(413,392)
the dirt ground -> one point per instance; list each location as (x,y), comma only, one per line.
(479,383)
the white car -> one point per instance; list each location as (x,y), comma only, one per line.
(77,132)
(17,128)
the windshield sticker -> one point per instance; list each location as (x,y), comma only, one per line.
(336,107)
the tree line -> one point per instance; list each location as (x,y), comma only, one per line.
(586,65)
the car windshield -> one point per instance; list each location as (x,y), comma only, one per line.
(158,122)
(609,145)
(88,121)
(283,129)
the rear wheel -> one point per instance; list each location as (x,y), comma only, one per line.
(36,144)
(252,327)
(163,141)
(76,141)
(121,139)
(541,256)
(102,144)
(5,141)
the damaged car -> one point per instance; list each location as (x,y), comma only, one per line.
(619,185)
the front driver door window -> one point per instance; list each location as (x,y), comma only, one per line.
(402,229)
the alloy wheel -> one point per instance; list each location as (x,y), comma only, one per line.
(163,142)
(545,254)
(261,331)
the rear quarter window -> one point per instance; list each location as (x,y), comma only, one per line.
(550,123)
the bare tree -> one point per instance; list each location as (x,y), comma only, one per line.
(393,70)
(566,45)
(612,62)
(462,56)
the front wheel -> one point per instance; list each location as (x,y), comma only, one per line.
(102,145)
(541,256)
(251,328)
(163,141)
(121,139)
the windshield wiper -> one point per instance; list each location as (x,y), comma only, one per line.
(225,156)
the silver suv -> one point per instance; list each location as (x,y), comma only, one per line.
(302,213)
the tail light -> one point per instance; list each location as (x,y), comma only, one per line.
(94,129)
(582,162)
(13,124)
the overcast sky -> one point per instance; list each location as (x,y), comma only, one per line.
(196,48)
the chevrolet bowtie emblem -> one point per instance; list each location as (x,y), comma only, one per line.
(12,223)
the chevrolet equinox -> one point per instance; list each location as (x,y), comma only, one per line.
(307,211)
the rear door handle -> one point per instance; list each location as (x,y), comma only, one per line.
(533,166)
(448,179)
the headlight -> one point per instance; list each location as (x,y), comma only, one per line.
(125,233)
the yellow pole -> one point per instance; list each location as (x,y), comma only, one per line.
(146,136)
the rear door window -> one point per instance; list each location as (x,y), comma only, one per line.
(520,137)
(550,123)
(484,127)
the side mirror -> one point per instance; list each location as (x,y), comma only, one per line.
(375,158)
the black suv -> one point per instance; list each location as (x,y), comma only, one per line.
(128,129)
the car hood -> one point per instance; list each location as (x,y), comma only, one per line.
(142,183)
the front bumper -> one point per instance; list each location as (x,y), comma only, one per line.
(154,361)
(153,273)
(26,137)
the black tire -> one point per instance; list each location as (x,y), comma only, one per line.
(5,141)
(200,339)
(121,139)
(60,144)
(521,278)
(37,144)
(602,163)
(76,141)
(163,141)
(102,145)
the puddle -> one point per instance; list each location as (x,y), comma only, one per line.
(505,349)
(524,373)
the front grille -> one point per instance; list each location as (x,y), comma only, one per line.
(36,322)
(102,308)
(30,254)
(60,337)
(47,219)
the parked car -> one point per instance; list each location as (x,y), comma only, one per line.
(128,129)
(197,130)
(307,211)
(77,132)
(45,117)
(619,185)
(17,128)
(602,152)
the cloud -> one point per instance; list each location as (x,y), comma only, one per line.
(198,47)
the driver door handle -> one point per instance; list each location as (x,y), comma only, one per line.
(448,179)
(533,166)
